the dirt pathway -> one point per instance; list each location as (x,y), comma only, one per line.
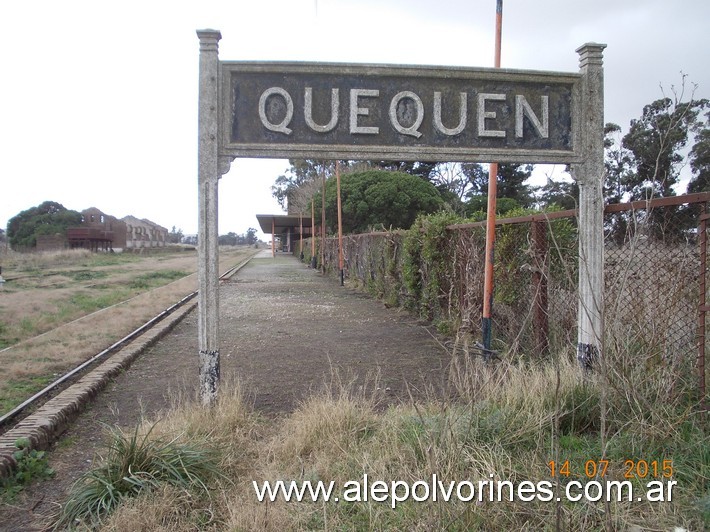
(285,331)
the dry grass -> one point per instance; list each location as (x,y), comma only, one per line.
(49,307)
(505,430)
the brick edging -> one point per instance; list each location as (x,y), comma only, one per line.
(48,422)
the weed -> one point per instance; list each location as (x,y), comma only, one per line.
(88,275)
(31,466)
(67,441)
(27,326)
(158,278)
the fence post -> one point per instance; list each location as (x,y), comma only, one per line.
(702,305)
(539,280)
(589,175)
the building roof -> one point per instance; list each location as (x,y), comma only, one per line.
(282,222)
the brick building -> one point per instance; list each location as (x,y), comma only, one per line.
(102,232)
(98,231)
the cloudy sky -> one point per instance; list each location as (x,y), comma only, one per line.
(98,99)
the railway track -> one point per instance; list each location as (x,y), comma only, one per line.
(41,422)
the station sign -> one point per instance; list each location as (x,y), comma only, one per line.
(406,113)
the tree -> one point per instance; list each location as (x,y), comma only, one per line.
(619,175)
(563,194)
(512,192)
(233,239)
(454,178)
(379,199)
(425,170)
(47,218)
(619,164)
(700,160)
(175,236)
(230,239)
(250,236)
(655,140)
(295,189)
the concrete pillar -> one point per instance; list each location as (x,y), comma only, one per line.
(208,251)
(589,175)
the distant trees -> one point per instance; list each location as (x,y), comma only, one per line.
(512,191)
(462,186)
(295,189)
(48,218)
(379,199)
(233,239)
(175,236)
(655,141)
(650,161)
(700,160)
(646,163)
(250,236)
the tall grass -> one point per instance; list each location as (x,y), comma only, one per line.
(41,260)
(501,422)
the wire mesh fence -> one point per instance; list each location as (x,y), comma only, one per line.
(653,278)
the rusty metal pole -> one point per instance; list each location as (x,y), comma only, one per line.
(273,237)
(322,218)
(541,323)
(341,262)
(300,236)
(491,217)
(207,240)
(702,308)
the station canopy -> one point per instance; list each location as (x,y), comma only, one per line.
(279,224)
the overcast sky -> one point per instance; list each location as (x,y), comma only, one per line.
(98,99)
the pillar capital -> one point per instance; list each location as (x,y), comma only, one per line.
(209,40)
(591,53)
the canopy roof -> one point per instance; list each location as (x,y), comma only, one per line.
(283,222)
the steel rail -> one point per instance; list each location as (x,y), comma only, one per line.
(12,414)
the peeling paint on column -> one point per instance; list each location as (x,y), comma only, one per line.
(209,376)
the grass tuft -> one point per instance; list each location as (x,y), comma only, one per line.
(136,464)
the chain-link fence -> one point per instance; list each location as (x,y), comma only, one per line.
(652,278)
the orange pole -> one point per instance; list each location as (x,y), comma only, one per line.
(322,223)
(491,216)
(341,262)
(499,31)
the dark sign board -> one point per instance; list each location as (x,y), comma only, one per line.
(372,112)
